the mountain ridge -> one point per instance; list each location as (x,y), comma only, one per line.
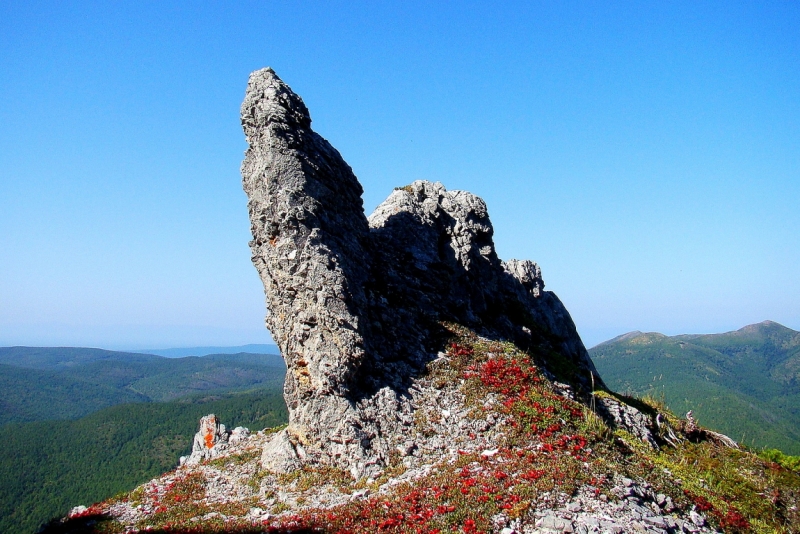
(62,357)
(70,382)
(752,372)
(180,352)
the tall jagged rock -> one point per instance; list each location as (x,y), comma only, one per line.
(435,259)
(355,304)
(309,231)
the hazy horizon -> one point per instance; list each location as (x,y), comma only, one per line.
(227,348)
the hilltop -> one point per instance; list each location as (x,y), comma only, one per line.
(495,446)
(431,386)
(744,383)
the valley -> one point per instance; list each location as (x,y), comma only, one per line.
(81,425)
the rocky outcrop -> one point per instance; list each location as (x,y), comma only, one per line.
(309,247)
(621,415)
(212,440)
(355,303)
(439,387)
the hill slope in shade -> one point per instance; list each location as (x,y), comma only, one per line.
(37,395)
(65,383)
(745,383)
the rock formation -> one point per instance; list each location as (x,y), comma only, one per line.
(431,387)
(212,440)
(355,303)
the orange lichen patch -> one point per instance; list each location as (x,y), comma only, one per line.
(301,372)
(208,427)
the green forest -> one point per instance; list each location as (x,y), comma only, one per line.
(81,425)
(38,384)
(745,384)
(48,467)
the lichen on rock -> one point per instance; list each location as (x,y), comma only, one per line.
(212,440)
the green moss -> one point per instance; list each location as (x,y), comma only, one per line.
(254,482)
(135,497)
(234,459)
(280,507)
(776,456)
(307,477)
(274,429)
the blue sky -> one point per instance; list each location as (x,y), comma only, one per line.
(647,155)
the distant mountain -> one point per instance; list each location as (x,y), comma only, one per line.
(204,351)
(66,383)
(56,358)
(745,383)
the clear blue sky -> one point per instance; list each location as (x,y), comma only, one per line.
(646,154)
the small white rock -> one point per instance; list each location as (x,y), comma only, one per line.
(77,510)
(359,494)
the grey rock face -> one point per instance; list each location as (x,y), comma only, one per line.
(627,417)
(528,273)
(354,303)
(309,231)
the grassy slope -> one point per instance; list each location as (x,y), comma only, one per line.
(50,466)
(549,445)
(743,383)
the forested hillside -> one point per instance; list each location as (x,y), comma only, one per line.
(37,395)
(65,383)
(57,358)
(80,424)
(47,467)
(745,383)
